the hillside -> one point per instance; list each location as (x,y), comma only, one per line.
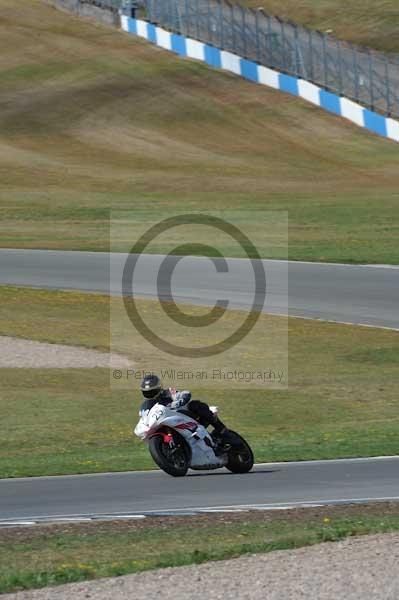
(373,23)
(92,119)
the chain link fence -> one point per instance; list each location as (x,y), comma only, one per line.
(112,5)
(363,75)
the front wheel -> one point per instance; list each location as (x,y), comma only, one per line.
(173,458)
(240,459)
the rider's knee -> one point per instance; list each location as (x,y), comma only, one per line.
(195,405)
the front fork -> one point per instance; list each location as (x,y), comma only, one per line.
(167,437)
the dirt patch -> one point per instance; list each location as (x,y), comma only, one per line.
(27,354)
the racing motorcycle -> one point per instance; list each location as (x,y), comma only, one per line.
(177,442)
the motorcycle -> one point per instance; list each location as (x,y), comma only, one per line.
(177,442)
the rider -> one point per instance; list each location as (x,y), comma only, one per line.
(153,392)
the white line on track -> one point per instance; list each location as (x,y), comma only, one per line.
(321,320)
(303,504)
(193,511)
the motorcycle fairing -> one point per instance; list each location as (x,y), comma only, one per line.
(197,437)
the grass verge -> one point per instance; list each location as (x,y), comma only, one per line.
(371,23)
(92,120)
(50,555)
(342,399)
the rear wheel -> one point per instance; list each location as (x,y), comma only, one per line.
(240,459)
(171,457)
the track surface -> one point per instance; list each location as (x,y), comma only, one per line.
(138,492)
(344,293)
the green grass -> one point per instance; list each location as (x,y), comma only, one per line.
(92,120)
(371,23)
(341,401)
(51,556)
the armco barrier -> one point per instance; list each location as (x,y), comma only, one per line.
(222,59)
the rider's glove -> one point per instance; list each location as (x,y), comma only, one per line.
(180,399)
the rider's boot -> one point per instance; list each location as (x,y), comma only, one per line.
(228,437)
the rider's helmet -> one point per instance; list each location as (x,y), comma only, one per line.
(151,386)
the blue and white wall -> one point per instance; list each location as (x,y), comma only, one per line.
(221,59)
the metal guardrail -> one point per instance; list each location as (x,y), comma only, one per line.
(361,74)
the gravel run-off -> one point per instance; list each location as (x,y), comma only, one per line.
(362,568)
(28,354)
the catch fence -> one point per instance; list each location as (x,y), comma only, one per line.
(368,77)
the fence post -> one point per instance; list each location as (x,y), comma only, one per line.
(270,40)
(179,21)
(311,68)
(209,23)
(197,19)
(187,17)
(174,15)
(339,67)
(163,12)
(149,12)
(387,83)
(220,16)
(244,32)
(154,11)
(283,61)
(356,73)
(166,13)
(233,33)
(297,55)
(371,78)
(325,63)
(257,35)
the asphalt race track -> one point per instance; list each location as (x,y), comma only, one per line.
(135,493)
(365,295)
(357,294)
